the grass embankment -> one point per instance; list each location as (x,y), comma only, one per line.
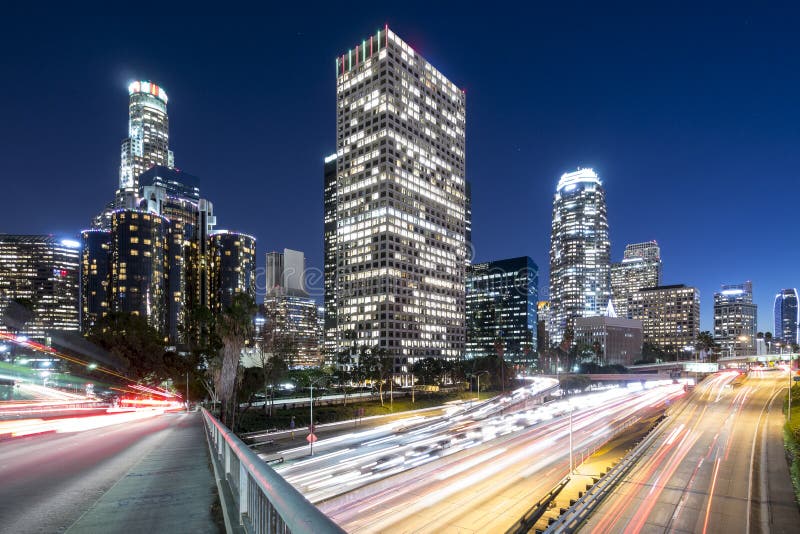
(255,418)
(791,438)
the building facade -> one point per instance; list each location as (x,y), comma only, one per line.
(619,339)
(670,317)
(39,291)
(286,273)
(502,299)
(329,259)
(786,316)
(640,267)
(295,318)
(95,276)
(140,266)
(401,213)
(735,318)
(233,267)
(579,252)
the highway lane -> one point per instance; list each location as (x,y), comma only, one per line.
(709,470)
(487,488)
(47,482)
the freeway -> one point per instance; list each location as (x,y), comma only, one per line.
(716,466)
(473,471)
(49,481)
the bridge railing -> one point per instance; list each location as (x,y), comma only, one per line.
(264,501)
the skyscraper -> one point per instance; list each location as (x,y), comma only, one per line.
(140,266)
(670,317)
(95,276)
(579,251)
(787,315)
(39,285)
(147,145)
(233,266)
(640,267)
(735,319)
(286,273)
(401,203)
(502,296)
(329,262)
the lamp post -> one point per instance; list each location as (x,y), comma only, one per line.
(571,464)
(311,423)
(478,377)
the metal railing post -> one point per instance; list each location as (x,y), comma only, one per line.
(243,491)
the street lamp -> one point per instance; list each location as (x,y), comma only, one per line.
(478,377)
(311,423)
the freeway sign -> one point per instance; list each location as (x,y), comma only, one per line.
(311,438)
(796,378)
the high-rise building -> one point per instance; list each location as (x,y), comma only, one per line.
(296,318)
(787,316)
(735,317)
(579,251)
(286,273)
(95,276)
(502,297)
(233,266)
(39,285)
(147,145)
(670,317)
(640,267)
(140,266)
(329,261)
(401,213)
(543,322)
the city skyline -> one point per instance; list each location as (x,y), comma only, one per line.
(683,237)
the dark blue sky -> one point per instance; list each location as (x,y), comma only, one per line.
(689,116)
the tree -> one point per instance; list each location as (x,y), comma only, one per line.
(235,328)
(275,351)
(598,351)
(130,338)
(705,342)
(428,370)
(199,334)
(378,366)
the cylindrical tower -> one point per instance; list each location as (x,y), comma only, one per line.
(95,276)
(148,134)
(139,265)
(233,266)
(580,251)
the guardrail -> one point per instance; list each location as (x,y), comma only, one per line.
(583,507)
(526,522)
(263,500)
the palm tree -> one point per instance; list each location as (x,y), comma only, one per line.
(235,328)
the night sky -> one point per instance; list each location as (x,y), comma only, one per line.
(690,117)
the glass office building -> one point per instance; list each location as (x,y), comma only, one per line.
(95,276)
(579,252)
(233,267)
(502,298)
(640,267)
(735,316)
(786,315)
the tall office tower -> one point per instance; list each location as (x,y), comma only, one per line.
(286,273)
(735,317)
(579,251)
(95,276)
(401,203)
(148,134)
(640,267)
(295,318)
(39,285)
(147,145)
(470,253)
(502,299)
(787,316)
(542,325)
(140,266)
(670,317)
(329,261)
(233,266)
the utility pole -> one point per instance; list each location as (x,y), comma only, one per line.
(571,465)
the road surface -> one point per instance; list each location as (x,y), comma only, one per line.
(717,466)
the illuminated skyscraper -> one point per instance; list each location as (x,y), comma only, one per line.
(233,266)
(670,317)
(147,145)
(140,266)
(39,285)
(579,252)
(787,316)
(735,319)
(286,272)
(401,214)
(95,276)
(148,134)
(640,267)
